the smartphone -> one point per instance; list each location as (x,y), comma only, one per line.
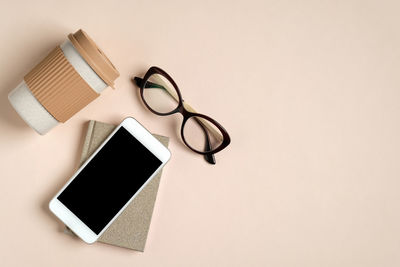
(109,180)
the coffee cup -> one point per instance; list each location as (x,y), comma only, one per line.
(71,76)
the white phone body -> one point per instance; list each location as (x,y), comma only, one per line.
(148,141)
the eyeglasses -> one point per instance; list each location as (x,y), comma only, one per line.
(200,133)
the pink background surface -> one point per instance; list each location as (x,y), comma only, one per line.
(309,91)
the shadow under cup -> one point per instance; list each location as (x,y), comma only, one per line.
(69,78)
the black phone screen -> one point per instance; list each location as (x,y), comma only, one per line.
(109,180)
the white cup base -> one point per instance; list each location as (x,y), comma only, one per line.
(30,109)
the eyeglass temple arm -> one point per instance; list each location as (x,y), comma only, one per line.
(210,158)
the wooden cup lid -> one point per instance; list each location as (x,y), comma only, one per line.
(93,55)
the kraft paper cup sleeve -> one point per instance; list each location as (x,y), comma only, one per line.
(58,86)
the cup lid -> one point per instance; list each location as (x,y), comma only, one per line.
(93,55)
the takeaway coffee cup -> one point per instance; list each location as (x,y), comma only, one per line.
(69,78)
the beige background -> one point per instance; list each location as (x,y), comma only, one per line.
(309,91)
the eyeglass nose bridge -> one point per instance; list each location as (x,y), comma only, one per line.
(185,113)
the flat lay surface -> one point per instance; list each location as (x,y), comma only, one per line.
(308,91)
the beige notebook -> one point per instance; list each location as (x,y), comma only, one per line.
(130,229)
